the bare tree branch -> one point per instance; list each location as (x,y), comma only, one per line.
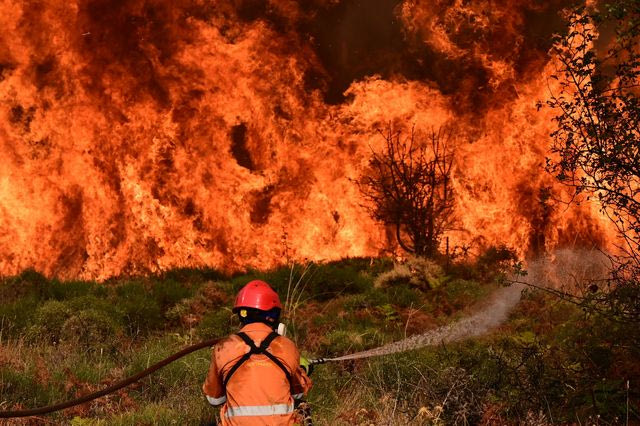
(408,186)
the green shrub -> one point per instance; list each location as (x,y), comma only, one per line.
(141,312)
(432,381)
(49,320)
(218,323)
(335,278)
(357,301)
(103,305)
(494,262)
(192,276)
(17,316)
(169,292)
(341,341)
(73,289)
(320,281)
(404,296)
(26,285)
(90,330)
(400,295)
(461,293)
(31,282)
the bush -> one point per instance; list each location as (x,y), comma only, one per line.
(399,295)
(447,385)
(141,312)
(218,323)
(461,293)
(104,305)
(169,292)
(191,275)
(90,330)
(49,320)
(29,284)
(341,342)
(494,262)
(15,317)
(73,289)
(321,282)
(417,272)
(404,296)
(334,278)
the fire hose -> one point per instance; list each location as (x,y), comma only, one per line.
(119,385)
(491,316)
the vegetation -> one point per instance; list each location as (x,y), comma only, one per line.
(551,362)
(596,149)
(408,186)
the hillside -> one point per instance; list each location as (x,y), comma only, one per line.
(548,363)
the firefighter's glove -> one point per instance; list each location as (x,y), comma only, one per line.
(306,365)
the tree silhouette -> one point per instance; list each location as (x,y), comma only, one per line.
(408,186)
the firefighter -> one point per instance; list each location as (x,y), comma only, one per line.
(256,374)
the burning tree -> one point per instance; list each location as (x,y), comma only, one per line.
(596,147)
(408,186)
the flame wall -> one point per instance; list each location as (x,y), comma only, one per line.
(140,135)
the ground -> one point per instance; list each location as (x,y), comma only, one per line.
(549,362)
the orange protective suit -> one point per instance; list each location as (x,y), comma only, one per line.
(258,391)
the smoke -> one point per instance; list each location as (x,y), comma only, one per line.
(569,270)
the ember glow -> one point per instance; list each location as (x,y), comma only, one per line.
(142,135)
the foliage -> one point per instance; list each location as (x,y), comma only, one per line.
(169,292)
(189,370)
(217,323)
(90,330)
(495,263)
(408,185)
(22,386)
(596,148)
(141,312)
(416,271)
(550,363)
(597,139)
(49,320)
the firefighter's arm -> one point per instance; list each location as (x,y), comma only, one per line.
(306,365)
(212,387)
(300,381)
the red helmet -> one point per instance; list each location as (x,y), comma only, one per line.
(257,295)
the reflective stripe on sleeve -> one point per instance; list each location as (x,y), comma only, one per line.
(259,410)
(217,401)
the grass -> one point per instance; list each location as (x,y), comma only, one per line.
(549,363)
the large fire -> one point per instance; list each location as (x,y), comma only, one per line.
(142,135)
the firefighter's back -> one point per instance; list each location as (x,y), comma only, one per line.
(258,390)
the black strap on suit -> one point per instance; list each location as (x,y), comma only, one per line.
(258,350)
